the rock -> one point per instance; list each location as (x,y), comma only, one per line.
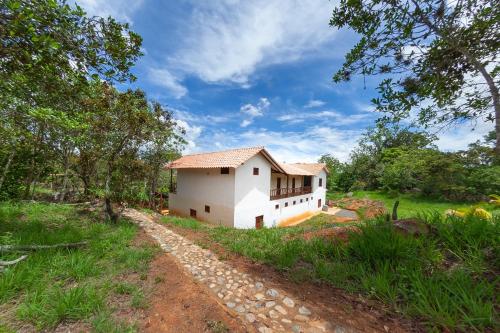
(259,285)
(270,304)
(250,317)
(339,329)
(265,329)
(240,309)
(411,227)
(349,194)
(296,329)
(286,321)
(304,311)
(230,305)
(301,318)
(272,293)
(259,296)
(273,314)
(322,325)
(280,309)
(288,302)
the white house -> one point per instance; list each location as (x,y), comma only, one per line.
(245,188)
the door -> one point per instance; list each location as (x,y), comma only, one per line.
(278,186)
(259,222)
(319,203)
(293,182)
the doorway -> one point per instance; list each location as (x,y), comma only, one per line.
(278,186)
(259,222)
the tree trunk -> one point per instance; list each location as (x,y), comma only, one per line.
(107,196)
(6,167)
(62,196)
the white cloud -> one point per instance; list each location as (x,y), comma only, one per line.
(251,111)
(163,78)
(226,41)
(289,146)
(192,134)
(314,103)
(121,10)
(460,136)
(246,122)
(333,118)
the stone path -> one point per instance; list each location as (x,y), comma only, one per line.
(267,310)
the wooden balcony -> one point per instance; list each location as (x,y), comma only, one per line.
(279,193)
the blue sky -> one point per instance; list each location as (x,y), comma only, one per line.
(255,73)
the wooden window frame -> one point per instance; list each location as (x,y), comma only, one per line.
(321,182)
(207,209)
(286,204)
(255,171)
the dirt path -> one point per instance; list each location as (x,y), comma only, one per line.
(260,307)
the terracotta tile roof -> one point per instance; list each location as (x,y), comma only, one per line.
(221,159)
(303,169)
(314,168)
(235,157)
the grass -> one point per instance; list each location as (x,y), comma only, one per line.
(447,279)
(56,285)
(409,205)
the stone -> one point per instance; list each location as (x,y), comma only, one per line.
(272,293)
(339,329)
(240,309)
(230,305)
(259,296)
(304,311)
(259,285)
(296,329)
(212,285)
(286,321)
(273,314)
(280,309)
(270,304)
(301,318)
(322,325)
(264,329)
(250,317)
(288,302)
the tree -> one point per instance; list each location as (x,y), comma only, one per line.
(162,147)
(438,58)
(335,168)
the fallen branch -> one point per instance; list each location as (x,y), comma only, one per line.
(11,248)
(12,262)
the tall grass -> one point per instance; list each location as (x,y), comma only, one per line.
(447,279)
(55,285)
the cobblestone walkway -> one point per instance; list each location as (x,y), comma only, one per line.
(267,310)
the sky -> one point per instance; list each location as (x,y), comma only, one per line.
(256,73)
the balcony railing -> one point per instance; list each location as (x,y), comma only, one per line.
(279,193)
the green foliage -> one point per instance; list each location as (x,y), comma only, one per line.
(55,285)
(435,59)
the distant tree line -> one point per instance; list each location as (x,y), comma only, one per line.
(62,116)
(403,160)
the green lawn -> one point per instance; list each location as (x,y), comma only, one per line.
(409,205)
(446,279)
(59,285)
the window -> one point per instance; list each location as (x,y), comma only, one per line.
(207,209)
(307,199)
(259,221)
(312,198)
(255,171)
(320,182)
(224,171)
(286,204)
(301,200)
(277,207)
(319,203)
(192,213)
(294,202)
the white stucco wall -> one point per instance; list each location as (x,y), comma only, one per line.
(252,193)
(199,187)
(275,176)
(317,191)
